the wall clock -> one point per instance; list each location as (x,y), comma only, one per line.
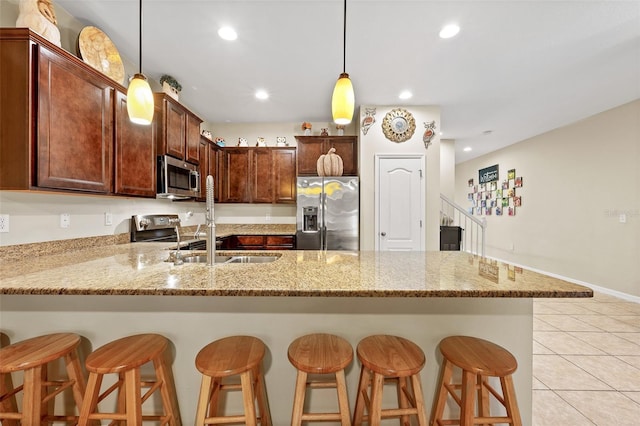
(398,125)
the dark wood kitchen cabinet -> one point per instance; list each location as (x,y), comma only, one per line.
(258,242)
(135,153)
(209,165)
(258,175)
(57,117)
(310,148)
(179,129)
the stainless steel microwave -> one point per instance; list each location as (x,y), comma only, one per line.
(177,179)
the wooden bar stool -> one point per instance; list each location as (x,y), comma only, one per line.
(222,359)
(394,360)
(125,357)
(32,357)
(320,354)
(478,359)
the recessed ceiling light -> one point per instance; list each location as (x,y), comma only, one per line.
(262,95)
(405,94)
(449,31)
(487,132)
(227,33)
(467,149)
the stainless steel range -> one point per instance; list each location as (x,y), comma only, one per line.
(161,228)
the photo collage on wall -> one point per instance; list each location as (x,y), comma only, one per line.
(496,198)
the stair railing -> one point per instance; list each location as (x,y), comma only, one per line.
(473,229)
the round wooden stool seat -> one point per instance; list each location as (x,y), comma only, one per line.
(32,356)
(320,354)
(125,357)
(392,359)
(478,356)
(226,357)
(479,360)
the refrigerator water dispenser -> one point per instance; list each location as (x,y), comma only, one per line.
(310,219)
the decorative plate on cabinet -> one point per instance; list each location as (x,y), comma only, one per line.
(97,50)
(398,125)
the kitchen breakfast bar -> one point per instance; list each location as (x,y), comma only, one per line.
(104,293)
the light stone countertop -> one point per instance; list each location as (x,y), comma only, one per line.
(141,269)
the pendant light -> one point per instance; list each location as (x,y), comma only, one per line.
(343,99)
(139,95)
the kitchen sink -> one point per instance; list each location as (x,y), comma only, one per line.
(252,259)
(202,258)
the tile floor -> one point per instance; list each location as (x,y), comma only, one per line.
(586,362)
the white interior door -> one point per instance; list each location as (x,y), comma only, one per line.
(400,206)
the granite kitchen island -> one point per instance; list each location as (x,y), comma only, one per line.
(104,293)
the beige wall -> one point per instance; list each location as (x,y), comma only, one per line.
(578,179)
(374,142)
(448,168)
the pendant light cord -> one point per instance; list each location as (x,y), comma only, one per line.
(140,37)
(344,39)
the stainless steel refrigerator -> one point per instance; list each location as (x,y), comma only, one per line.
(328,213)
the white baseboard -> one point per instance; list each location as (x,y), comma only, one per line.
(599,289)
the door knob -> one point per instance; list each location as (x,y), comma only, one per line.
(384,234)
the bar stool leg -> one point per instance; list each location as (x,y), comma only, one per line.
(419,399)
(438,407)
(32,395)
(261,395)
(363,384)
(509,392)
(401,389)
(206,387)
(299,397)
(468,397)
(9,404)
(375,415)
(133,397)
(248,398)
(343,401)
(483,398)
(169,399)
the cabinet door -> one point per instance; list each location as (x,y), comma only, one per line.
(347,148)
(261,176)
(175,129)
(135,153)
(192,154)
(235,181)
(75,126)
(209,165)
(284,175)
(310,148)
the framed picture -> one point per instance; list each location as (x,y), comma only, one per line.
(511,192)
(479,196)
(505,184)
(517,201)
(487,211)
(498,193)
(511,174)
(518,182)
(505,202)
(512,211)
(475,188)
(470,182)
(494,185)
(498,211)
(470,196)
(479,211)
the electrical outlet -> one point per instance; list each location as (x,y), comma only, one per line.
(4,223)
(108,219)
(65,220)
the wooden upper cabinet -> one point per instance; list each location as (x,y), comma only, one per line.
(261,176)
(310,148)
(209,165)
(179,133)
(75,125)
(135,153)
(284,175)
(236,164)
(258,175)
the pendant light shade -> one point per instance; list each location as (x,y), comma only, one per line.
(343,99)
(139,95)
(140,100)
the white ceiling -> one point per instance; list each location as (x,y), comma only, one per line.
(517,68)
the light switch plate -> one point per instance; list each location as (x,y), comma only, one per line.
(4,223)
(65,220)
